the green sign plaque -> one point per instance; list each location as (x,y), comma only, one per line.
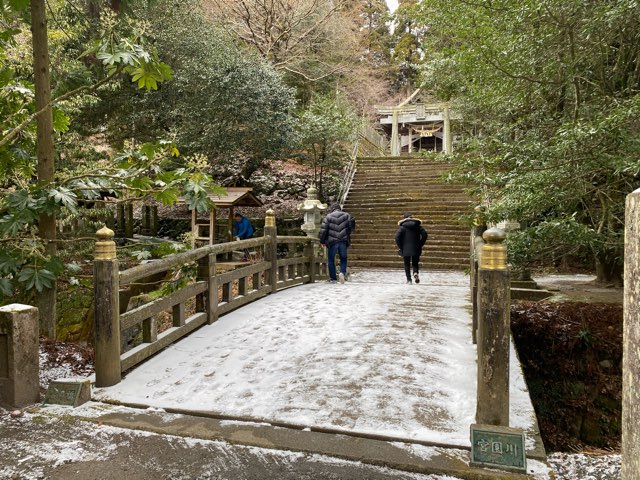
(498,447)
(68,392)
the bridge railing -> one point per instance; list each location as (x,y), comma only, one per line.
(491,301)
(202,301)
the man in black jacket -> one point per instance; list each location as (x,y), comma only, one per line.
(335,234)
(410,238)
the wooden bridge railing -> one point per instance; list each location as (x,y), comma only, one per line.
(202,301)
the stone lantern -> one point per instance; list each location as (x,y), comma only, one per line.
(312,208)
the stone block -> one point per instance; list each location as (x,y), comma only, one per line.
(69,391)
(19,355)
(529,294)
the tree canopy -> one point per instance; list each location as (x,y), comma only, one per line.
(548,92)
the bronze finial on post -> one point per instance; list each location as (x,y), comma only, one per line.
(107,310)
(493,253)
(271,249)
(493,336)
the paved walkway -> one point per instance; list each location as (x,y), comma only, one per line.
(372,357)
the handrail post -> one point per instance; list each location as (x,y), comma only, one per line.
(493,331)
(271,249)
(631,336)
(107,310)
(310,253)
(208,301)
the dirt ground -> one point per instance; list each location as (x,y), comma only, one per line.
(571,350)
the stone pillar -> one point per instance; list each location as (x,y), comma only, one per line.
(271,249)
(395,144)
(154,220)
(447,138)
(493,331)
(128,220)
(19,355)
(631,342)
(107,311)
(146,220)
(120,232)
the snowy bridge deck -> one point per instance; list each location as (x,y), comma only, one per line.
(373,357)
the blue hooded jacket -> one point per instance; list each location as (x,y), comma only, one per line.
(243,228)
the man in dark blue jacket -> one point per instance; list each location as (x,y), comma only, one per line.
(335,234)
(242,229)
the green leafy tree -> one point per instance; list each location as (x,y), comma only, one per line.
(35,194)
(406,43)
(223,102)
(327,128)
(549,95)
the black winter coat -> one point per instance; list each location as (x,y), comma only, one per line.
(410,237)
(336,227)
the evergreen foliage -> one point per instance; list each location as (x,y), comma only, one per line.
(548,91)
(222,102)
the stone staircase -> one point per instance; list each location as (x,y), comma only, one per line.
(383,189)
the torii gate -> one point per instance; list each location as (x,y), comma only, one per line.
(412,121)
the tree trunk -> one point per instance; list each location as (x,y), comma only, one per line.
(608,271)
(46,166)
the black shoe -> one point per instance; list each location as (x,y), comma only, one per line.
(416,278)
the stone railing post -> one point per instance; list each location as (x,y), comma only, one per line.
(128,220)
(107,310)
(145,228)
(631,341)
(310,253)
(19,355)
(271,249)
(121,231)
(493,331)
(154,221)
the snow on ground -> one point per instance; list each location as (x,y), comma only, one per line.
(44,446)
(374,356)
(578,466)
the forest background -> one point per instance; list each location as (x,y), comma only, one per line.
(157,99)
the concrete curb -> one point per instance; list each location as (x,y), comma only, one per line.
(406,456)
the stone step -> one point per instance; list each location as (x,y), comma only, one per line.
(376,194)
(387,245)
(397,263)
(393,217)
(404,183)
(372,254)
(434,231)
(394,201)
(384,188)
(442,257)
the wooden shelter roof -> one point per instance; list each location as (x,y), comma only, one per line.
(236,197)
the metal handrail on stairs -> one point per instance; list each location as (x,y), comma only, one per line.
(349,173)
(367,136)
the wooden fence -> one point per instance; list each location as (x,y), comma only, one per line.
(213,293)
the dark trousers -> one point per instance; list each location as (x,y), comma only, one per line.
(408,262)
(341,249)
